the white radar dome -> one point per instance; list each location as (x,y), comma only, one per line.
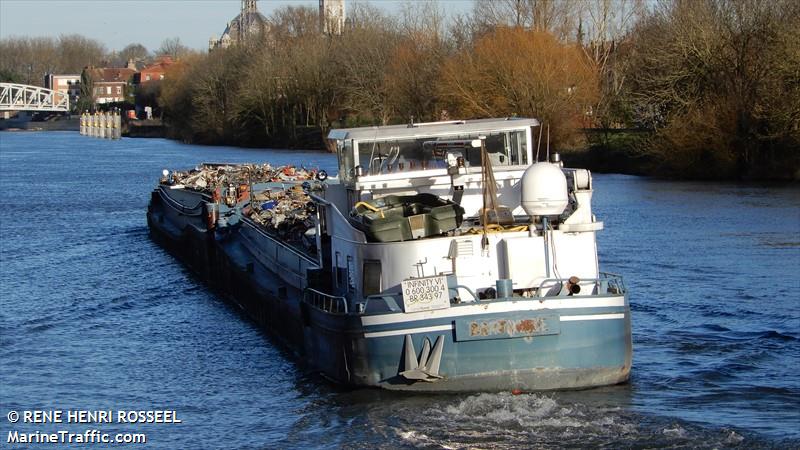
(544,190)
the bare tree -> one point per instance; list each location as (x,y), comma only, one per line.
(365,52)
(513,71)
(604,34)
(413,72)
(76,52)
(558,17)
(173,47)
(32,58)
(709,73)
(135,52)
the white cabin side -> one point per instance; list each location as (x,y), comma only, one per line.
(403,160)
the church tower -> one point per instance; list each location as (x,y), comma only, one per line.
(247,25)
(331,16)
(249,6)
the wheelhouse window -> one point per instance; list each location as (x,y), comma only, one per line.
(344,149)
(505,148)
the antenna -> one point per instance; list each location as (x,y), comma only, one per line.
(539,143)
(548,142)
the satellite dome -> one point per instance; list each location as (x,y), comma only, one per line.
(544,190)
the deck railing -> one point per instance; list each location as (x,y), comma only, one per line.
(329,303)
(606,283)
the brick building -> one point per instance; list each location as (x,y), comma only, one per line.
(67,84)
(154,72)
(109,84)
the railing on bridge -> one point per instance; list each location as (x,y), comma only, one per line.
(21,97)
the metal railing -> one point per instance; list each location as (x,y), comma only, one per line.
(325,302)
(614,282)
(606,283)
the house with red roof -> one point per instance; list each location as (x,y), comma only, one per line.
(153,72)
(109,84)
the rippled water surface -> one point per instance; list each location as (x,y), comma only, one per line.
(94,315)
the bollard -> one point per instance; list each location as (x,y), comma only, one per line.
(505,288)
(113,124)
(118,123)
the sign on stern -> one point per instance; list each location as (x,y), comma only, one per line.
(424,294)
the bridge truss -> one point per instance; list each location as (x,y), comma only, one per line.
(21,97)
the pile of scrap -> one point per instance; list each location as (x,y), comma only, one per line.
(288,214)
(208,177)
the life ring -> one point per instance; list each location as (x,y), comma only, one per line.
(322,175)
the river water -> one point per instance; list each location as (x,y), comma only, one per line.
(95,316)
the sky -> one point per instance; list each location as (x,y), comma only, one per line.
(117,23)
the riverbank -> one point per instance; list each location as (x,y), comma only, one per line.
(144,129)
(642,152)
(54,123)
(623,151)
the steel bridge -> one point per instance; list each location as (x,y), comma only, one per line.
(21,97)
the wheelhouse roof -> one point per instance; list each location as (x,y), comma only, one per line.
(430,129)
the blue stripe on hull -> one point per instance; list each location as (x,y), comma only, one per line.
(584,353)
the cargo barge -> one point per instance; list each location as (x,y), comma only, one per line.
(443,257)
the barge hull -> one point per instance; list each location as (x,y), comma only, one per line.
(353,350)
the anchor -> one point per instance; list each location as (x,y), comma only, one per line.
(427,367)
